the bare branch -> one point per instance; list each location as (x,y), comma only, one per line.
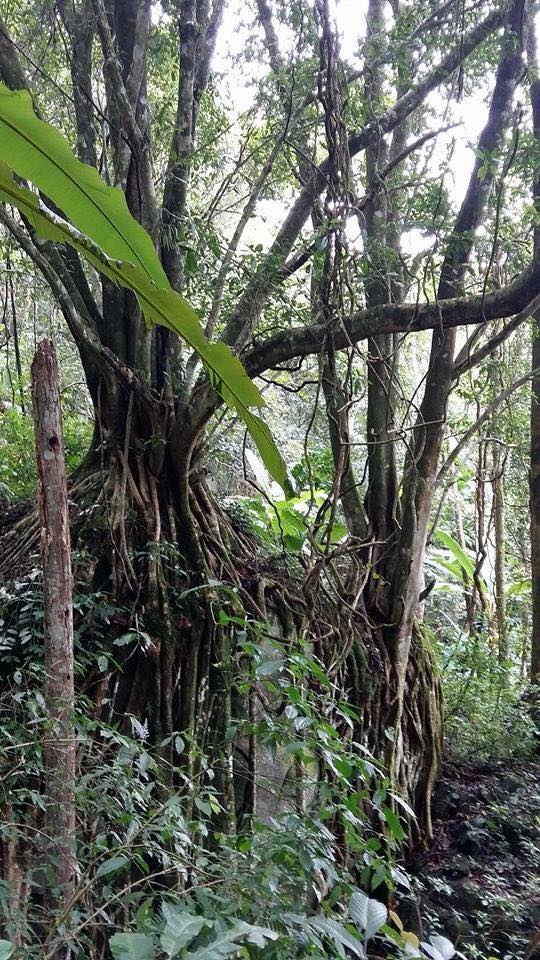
(399,318)
(486,415)
(466,360)
(245,317)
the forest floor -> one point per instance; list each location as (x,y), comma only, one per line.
(479,884)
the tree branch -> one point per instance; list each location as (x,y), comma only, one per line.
(245,317)
(79,25)
(398,318)
(486,415)
(466,361)
(197,38)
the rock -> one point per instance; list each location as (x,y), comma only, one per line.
(471,839)
(466,897)
(459,866)
(446,800)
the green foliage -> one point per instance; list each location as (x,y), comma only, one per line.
(110,238)
(17,456)
(132,946)
(318,473)
(156,871)
(485,705)
(285,524)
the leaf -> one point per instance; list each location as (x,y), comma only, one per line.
(465,561)
(411,938)
(181,928)
(369,914)
(37,152)
(223,946)
(229,941)
(132,946)
(126,638)
(339,935)
(110,866)
(269,668)
(519,588)
(6,950)
(165,307)
(258,935)
(439,948)
(444,946)
(394,824)
(262,437)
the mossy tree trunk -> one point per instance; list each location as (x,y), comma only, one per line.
(59,692)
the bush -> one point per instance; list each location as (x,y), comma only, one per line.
(486,713)
(17,456)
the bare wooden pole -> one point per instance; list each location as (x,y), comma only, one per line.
(59,749)
(534,486)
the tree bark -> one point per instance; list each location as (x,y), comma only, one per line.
(534,474)
(59,748)
(534,478)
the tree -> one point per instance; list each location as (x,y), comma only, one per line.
(535,409)
(60,749)
(146,475)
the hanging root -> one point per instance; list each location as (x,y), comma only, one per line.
(180,674)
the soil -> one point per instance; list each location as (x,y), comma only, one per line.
(479,884)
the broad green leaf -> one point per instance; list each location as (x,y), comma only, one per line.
(6,950)
(394,823)
(443,945)
(37,152)
(464,560)
(269,668)
(111,866)
(253,933)
(454,568)
(222,946)
(369,914)
(181,928)
(341,937)
(261,435)
(132,946)
(439,948)
(519,588)
(228,942)
(166,308)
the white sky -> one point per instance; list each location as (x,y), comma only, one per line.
(239,87)
(470,114)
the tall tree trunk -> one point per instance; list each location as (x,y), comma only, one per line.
(60,747)
(534,479)
(534,473)
(498,461)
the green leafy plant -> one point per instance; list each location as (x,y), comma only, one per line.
(17,456)
(102,229)
(155,870)
(285,524)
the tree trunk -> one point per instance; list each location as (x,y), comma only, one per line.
(535,510)
(500,549)
(60,747)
